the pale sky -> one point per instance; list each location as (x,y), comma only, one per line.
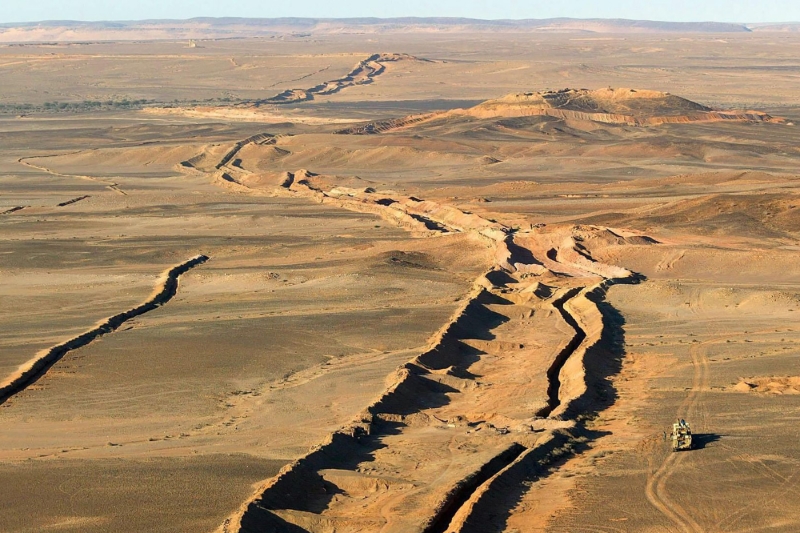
(664,10)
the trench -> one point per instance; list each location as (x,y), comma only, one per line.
(73,201)
(259,137)
(462,492)
(363,73)
(429,223)
(553,381)
(39,367)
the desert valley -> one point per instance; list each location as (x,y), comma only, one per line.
(418,277)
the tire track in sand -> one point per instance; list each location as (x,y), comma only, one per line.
(31,371)
(655,490)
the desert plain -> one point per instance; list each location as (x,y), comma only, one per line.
(431,281)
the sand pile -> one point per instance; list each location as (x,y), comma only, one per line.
(770,385)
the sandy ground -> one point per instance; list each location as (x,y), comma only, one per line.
(463,67)
(136,396)
(472,319)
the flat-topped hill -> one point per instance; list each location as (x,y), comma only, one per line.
(620,101)
(631,107)
(623,106)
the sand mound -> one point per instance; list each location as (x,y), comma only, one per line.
(260,157)
(770,385)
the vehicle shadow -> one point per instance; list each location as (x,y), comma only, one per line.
(701,440)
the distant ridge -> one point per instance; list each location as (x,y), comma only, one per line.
(777,26)
(215,28)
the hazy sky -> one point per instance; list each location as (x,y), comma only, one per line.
(677,10)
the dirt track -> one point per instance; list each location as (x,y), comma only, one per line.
(656,483)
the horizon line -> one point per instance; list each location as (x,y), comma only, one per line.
(409,17)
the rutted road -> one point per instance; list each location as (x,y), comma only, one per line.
(655,489)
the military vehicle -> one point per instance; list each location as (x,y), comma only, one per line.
(681,436)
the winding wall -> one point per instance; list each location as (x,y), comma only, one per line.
(283,501)
(34,369)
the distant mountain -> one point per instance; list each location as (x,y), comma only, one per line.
(205,28)
(779,26)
